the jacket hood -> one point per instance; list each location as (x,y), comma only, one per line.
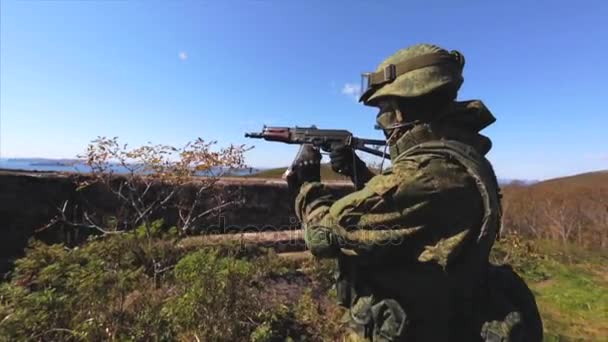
(461,121)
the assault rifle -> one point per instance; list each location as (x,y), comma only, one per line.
(325,139)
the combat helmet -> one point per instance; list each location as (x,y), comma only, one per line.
(411,72)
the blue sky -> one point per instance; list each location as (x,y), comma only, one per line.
(171,71)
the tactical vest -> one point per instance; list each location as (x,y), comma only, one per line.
(504,295)
(481,170)
(471,271)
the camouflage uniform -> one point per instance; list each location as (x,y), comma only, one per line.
(413,244)
(400,234)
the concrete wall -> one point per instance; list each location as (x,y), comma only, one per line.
(29,200)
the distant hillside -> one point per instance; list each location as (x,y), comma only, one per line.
(594,179)
(573,208)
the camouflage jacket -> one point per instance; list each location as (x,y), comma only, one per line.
(421,232)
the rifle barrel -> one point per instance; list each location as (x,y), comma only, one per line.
(254,135)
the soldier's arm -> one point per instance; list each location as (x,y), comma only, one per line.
(389,209)
(410,206)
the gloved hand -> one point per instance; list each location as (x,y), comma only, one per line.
(306,167)
(344,161)
(509,330)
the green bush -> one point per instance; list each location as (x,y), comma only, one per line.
(142,286)
(84,293)
(216,299)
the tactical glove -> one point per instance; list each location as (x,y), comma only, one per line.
(306,167)
(346,162)
(509,330)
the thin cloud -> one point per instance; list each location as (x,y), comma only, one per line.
(183,55)
(352,90)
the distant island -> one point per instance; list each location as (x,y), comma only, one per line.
(79,165)
(45,161)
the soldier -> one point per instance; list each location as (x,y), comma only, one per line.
(413,243)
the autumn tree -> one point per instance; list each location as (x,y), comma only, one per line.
(153,180)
